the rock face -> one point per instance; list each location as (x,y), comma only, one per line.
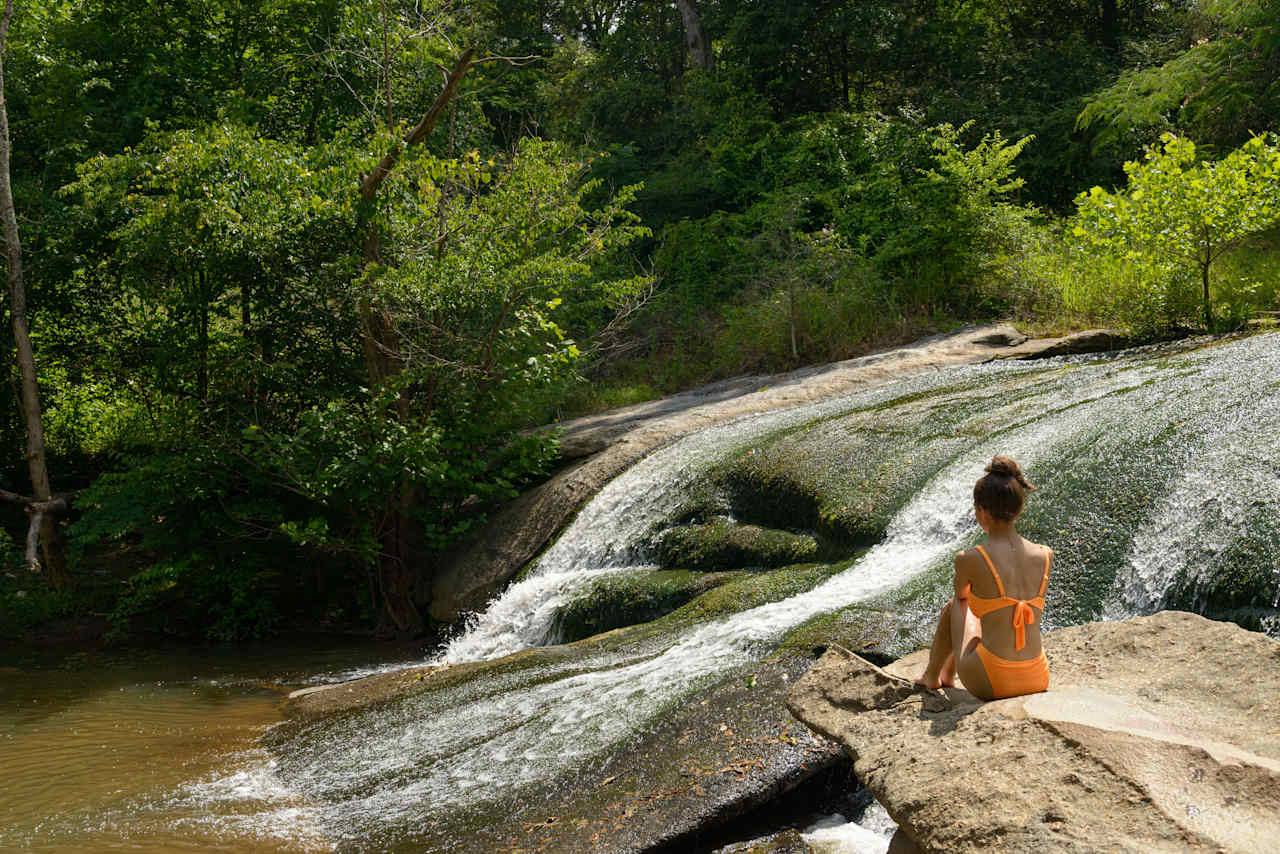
(1158,733)
(605,445)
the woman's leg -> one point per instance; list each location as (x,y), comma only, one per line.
(941,669)
(966,634)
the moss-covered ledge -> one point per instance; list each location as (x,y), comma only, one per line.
(725,544)
(630,598)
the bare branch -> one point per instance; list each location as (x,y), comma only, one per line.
(369,186)
(33,541)
(334,72)
(6,495)
(516,61)
(59,503)
(608,343)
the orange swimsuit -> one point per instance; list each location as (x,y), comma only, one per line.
(1013,678)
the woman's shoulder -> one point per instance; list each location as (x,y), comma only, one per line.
(969,560)
(1039,549)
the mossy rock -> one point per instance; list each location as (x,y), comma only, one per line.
(754,590)
(625,600)
(724,544)
(858,629)
(789,841)
(843,477)
(882,628)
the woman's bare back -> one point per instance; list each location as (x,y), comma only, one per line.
(1021,566)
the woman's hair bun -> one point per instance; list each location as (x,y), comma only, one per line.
(1006,467)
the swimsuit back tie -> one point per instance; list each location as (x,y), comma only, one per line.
(1023,615)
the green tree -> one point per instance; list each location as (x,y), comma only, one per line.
(41,506)
(1218,85)
(237,259)
(221,250)
(1178,212)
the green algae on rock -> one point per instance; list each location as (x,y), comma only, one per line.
(725,544)
(619,600)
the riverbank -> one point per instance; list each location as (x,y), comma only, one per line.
(156,749)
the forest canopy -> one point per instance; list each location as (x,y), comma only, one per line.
(301,276)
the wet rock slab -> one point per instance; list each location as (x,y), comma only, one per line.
(732,748)
(604,445)
(720,754)
(786,842)
(1159,733)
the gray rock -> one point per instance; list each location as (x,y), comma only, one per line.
(1158,733)
(725,752)
(786,842)
(1074,343)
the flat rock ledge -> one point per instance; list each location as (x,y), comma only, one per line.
(1158,733)
(602,446)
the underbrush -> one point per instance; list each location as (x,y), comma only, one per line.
(1045,287)
(1055,285)
(753,335)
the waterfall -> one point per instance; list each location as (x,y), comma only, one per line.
(487,747)
(1228,483)
(608,534)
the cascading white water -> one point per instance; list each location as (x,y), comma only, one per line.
(1230,473)
(511,739)
(489,746)
(607,535)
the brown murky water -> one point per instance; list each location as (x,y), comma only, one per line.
(156,752)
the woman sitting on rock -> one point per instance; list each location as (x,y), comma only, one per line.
(989,633)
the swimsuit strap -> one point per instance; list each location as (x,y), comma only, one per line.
(1044,582)
(992,567)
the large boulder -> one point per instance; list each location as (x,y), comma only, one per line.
(1158,733)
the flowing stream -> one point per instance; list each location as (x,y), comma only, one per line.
(1159,475)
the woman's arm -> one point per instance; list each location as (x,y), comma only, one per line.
(961,581)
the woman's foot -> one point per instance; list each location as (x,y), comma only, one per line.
(946,678)
(933,682)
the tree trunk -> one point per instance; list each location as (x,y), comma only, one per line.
(202,337)
(1208,306)
(246,310)
(694,36)
(383,361)
(1110,25)
(791,309)
(844,71)
(55,564)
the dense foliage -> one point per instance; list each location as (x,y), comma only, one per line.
(1176,218)
(257,378)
